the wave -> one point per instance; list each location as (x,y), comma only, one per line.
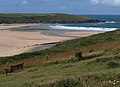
(110,22)
(107,22)
(83,28)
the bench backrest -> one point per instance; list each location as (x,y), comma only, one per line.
(16,67)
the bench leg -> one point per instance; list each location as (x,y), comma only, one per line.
(6,72)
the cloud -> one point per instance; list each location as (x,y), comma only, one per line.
(25,2)
(107,2)
(34,2)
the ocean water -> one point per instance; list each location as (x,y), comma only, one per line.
(112,23)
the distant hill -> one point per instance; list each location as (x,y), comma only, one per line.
(44,18)
(62,66)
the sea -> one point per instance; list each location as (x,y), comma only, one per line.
(112,23)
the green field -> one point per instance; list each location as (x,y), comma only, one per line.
(99,65)
(43,18)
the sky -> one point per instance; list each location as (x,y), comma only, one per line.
(111,7)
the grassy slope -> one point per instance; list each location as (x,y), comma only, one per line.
(37,18)
(92,72)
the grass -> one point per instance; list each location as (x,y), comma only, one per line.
(112,64)
(98,68)
(68,83)
(51,74)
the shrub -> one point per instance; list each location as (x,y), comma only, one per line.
(90,51)
(68,83)
(112,64)
(79,56)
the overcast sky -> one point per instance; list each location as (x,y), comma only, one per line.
(61,6)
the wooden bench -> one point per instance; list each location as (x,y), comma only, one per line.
(14,68)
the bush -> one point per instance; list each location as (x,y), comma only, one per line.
(79,56)
(112,64)
(68,83)
(90,51)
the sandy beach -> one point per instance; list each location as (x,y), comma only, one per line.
(8,26)
(16,42)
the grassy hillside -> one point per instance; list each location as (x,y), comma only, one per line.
(43,18)
(58,66)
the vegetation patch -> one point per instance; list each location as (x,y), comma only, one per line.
(79,56)
(51,63)
(69,82)
(112,64)
(33,70)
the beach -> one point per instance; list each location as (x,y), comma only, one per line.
(14,42)
(8,26)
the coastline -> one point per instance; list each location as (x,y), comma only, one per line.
(14,42)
